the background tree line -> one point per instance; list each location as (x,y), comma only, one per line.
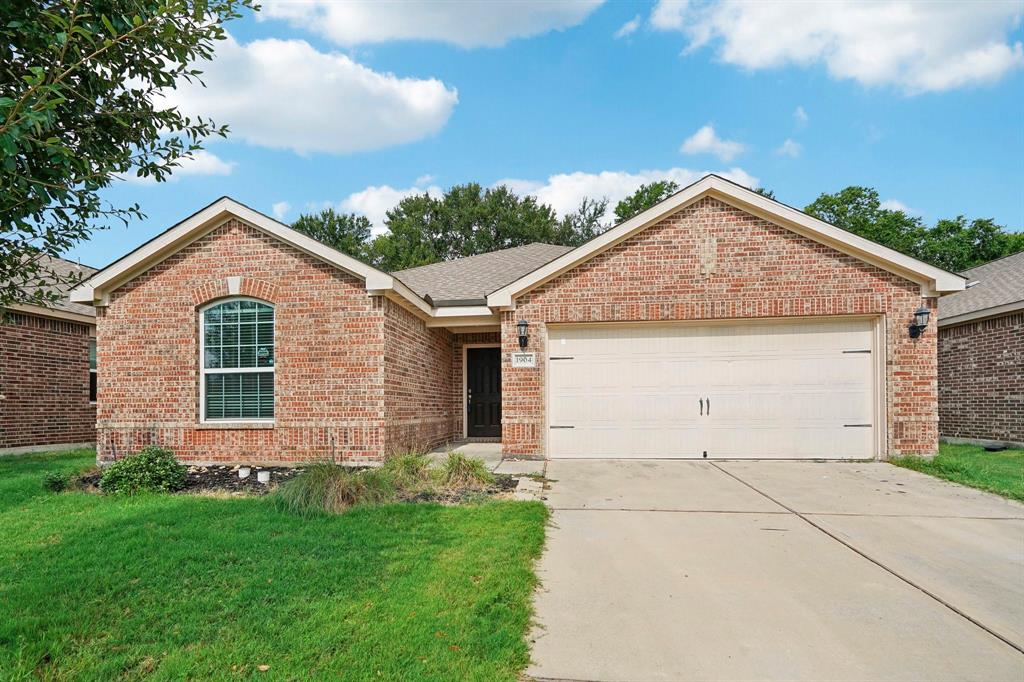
(470,219)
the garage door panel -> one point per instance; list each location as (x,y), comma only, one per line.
(753,390)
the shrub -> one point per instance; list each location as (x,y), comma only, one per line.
(409,471)
(328,488)
(55,482)
(460,471)
(153,469)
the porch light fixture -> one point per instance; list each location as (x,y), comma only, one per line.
(920,322)
(523,338)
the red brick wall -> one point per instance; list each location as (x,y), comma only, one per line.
(981,379)
(458,387)
(417,381)
(758,270)
(44,382)
(330,389)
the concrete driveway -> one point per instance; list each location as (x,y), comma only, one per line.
(674,570)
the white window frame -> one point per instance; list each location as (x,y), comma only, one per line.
(204,370)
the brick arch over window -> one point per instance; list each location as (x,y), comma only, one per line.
(234,286)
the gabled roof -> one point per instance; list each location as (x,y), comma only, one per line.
(98,287)
(467,281)
(933,281)
(65,271)
(993,289)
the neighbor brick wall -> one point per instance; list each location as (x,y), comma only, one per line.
(330,389)
(981,379)
(458,387)
(417,382)
(44,382)
(753,269)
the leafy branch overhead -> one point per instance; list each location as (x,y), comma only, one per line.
(80,107)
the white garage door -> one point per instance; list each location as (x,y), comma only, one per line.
(747,390)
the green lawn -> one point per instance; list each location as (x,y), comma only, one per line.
(169,587)
(996,472)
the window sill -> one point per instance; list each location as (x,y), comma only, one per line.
(234,425)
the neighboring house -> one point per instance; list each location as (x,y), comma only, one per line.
(48,371)
(718,323)
(981,356)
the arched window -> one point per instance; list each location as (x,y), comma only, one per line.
(237,355)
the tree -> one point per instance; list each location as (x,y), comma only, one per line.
(767,193)
(643,198)
(79,107)
(858,210)
(583,224)
(346,232)
(954,244)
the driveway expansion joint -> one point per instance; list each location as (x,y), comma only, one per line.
(805,518)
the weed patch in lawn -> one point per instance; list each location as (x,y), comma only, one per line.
(999,472)
(162,586)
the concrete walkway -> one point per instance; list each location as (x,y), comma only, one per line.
(677,570)
(490,453)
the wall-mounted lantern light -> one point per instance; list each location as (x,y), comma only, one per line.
(523,338)
(920,322)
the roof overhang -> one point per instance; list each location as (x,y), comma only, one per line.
(983,314)
(932,280)
(96,290)
(43,311)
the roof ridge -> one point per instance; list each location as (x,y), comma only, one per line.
(994,260)
(480,255)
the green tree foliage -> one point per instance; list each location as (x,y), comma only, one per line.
(346,232)
(79,107)
(470,219)
(643,198)
(954,244)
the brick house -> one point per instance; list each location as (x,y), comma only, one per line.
(48,371)
(718,323)
(981,356)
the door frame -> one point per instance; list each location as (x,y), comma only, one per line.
(465,374)
(880,350)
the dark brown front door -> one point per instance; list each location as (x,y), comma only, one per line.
(483,392)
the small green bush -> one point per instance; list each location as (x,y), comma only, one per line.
(328,488)
(55,482)
(153,469)
(460,471)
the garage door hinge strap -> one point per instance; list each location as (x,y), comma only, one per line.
(561,357)
(857,351)
(857,425)
(561,427)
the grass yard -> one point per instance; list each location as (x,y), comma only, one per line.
(174,586)
(997,472)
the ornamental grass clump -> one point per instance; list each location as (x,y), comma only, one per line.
(410,471)
(153,469)
(460,471)
(328,488)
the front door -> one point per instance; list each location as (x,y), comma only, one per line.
(483,392)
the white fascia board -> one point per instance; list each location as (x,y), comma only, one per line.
(994,311)
(43,311)
(463,311)
(932,279)
(96,288)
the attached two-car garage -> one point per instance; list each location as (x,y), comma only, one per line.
(775,389)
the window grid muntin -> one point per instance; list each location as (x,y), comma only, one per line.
(245,328)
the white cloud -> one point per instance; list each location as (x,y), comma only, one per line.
(201,162)
(565,191)
(466,24)
(285,94)
(896,205)
(628,28)
(919,46)
(706,141)
(281,209)
(800,115)
(789,148)
(375,201)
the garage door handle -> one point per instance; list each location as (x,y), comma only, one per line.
(701,401)
(709,407)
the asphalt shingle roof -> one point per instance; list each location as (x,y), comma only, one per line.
(62,269)
(999,283)
(469,280)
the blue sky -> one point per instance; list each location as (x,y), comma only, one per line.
(355,105)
